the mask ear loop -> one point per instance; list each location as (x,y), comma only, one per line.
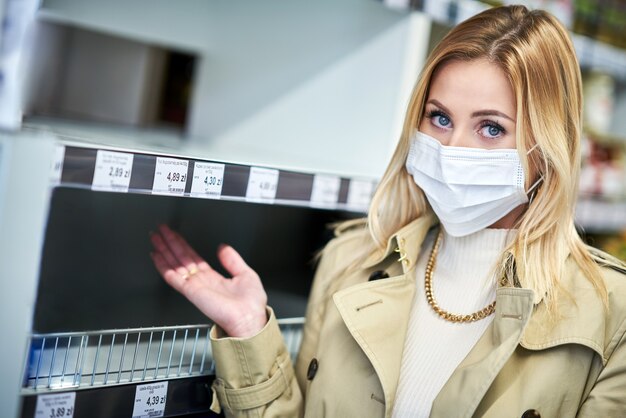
(532,189)
(532,148)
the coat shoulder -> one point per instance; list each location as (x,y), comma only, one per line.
(614,275)
(614,280)
(349,234)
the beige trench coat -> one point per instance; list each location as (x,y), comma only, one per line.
(355,331)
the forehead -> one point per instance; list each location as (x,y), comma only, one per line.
(478,83)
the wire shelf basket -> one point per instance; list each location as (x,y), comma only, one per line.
(79,360)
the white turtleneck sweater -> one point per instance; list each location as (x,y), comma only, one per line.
(463,282)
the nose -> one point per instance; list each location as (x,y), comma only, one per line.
(456,139)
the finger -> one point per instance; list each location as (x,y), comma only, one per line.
(163,249)
(200,262)
(176,244)
(171,276)
(232,261)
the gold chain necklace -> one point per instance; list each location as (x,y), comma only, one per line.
(428,278)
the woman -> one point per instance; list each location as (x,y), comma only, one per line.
(467,291)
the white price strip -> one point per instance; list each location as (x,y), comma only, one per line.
(207,180)
(359,194)
(262,185)
(325,191)
(170,176)
(56,169)
(150,400)
(55,406)
(113,171)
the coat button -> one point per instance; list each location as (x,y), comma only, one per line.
(378,274)
(310,374)
(531,413)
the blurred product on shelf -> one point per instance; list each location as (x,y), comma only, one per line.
(613,243)
(603,173)
(616,245)
(601,208)
(599,105)
(562,9)
(603,20)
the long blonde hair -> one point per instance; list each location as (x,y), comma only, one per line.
(535,52)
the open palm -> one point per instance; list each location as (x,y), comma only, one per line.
(237,304)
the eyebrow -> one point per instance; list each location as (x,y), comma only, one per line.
(487,112)
(490,112)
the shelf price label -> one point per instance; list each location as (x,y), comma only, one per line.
(56,167)
(113,171)
(262,185)
(170,176)
(150,400)
(359,194)
(325,191)
(58,405)
(208,179)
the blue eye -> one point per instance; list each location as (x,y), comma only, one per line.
(490,129)
(439,119)
(443,120)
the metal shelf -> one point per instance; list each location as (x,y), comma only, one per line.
(87,360)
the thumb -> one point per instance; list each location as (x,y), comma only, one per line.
(231,260)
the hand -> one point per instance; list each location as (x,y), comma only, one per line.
(237,305)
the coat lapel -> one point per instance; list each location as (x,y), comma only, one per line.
(468,384)
(376,314)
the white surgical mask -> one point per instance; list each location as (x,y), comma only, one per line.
(468,188)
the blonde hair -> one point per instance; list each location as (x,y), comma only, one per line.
(535,52)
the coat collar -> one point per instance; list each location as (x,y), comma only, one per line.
(407,240)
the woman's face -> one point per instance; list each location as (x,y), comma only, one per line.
(470,104)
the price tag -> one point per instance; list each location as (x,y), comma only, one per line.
(150,400)
(262,185)
(170,176)
(207,180)
(325,191)
(359,194)
(55,406)
(56,167)
(113,171)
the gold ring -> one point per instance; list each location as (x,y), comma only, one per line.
(190,273)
